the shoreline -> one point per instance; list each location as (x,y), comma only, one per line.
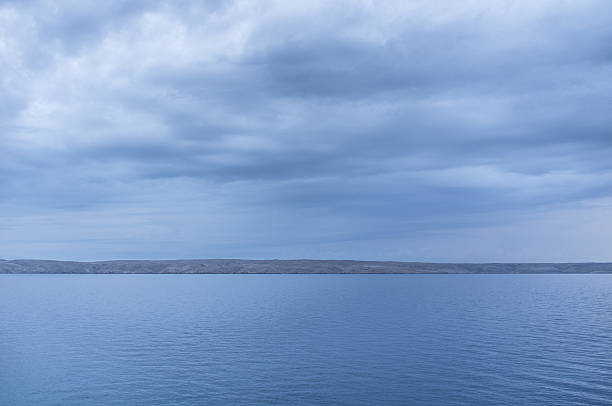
(284,267)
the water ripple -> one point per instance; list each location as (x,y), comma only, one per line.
(305,339)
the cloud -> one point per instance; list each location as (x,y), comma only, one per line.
(317,121)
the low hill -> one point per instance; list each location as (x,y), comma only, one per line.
(300,266)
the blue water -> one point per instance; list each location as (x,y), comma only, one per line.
(305,340)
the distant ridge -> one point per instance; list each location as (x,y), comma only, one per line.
(299,266)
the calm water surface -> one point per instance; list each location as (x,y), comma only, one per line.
(305,340)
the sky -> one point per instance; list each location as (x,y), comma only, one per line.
(473,131)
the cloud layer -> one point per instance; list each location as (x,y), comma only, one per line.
(352,129)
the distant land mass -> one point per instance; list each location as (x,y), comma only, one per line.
(298,266)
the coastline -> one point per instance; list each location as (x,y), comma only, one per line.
(299,266)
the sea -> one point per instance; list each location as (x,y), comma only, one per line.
(155,340)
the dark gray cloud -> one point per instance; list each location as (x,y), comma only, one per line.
(405,130)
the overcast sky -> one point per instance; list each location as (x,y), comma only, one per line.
(388,130)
